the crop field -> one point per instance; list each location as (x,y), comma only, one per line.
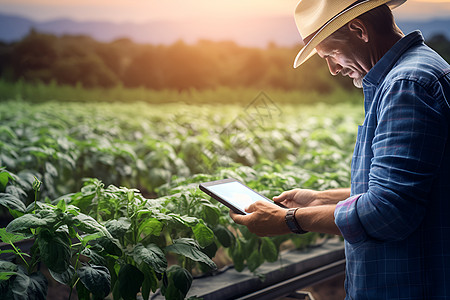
(109,191)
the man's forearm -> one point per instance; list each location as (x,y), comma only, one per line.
(333,196)
(317,219)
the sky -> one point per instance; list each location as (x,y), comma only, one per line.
(150,10)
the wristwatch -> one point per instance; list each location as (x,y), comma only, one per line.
(292,222)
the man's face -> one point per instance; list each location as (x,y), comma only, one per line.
(344,57)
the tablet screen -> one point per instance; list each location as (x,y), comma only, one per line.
(236,194)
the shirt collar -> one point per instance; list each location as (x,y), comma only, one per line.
(385,64)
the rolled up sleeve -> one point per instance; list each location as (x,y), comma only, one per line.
(407,150)
(347,220)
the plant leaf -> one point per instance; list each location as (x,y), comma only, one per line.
(190,249)
(150,280)
(64,277)
(88,224)
(4,179)
(96,279)
(254,260)
(151,226)
(12,202)
(203,234)
(19,285)
(179,281)
(152,255)
(7,269)
(94,256)
(6,275)
(225,237)
(210,250)
(89,237)
(184,220)
(111,245)
(29,287)
(8,237)
(268,250)
(83,292)
(38,287)
(130,281)
(238,257)
(62,205)
(24,223)
(119,227)
(210,213)
(54,248)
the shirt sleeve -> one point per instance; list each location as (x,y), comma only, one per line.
(408,147)
(348,221)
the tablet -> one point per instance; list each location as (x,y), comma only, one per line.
(233,194)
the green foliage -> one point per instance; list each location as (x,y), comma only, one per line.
(176,283)
(440,44)
(39,92)
(96,279)
(82,61)
(100,237)
(128,145)
(190,249)
(49,226)
(129,281)
(68,60)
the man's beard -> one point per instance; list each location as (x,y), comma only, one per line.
(358,82)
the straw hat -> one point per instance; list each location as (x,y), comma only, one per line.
(317,19)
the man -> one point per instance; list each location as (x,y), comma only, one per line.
(395,219)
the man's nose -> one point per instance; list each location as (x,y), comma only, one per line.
(334,68)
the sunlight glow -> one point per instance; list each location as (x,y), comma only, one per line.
(147,10)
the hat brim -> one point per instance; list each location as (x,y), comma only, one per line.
(337,22)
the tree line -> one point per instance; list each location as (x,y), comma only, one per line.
(81,60)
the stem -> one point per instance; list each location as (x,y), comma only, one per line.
(98,193)
(71,288)
(35,259)
(18,253)
(36,188)
(58,224)
(35,200)
(135,231)
(116,210)
(76,264)
(78,258)
(32,266)
(191,203)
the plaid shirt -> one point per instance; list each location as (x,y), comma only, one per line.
(396,224)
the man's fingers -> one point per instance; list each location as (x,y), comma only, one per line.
(251,208)
(237,218)
(283,196)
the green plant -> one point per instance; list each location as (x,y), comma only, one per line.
(54,228)
(171,231)
(147,232)
(131,245)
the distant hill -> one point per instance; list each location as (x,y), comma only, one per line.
(251,32)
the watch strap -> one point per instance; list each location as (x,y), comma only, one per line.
(292,222)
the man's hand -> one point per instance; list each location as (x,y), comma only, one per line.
(309,198)
(298,198)
(265,219)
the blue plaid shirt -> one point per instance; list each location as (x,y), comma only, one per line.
(396,224)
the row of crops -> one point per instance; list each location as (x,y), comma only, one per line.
(109,192)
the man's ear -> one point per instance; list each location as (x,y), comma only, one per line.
(359,29)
